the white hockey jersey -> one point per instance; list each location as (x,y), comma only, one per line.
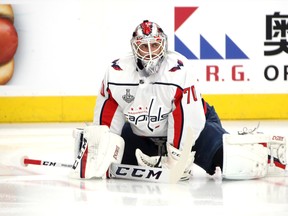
(163,104)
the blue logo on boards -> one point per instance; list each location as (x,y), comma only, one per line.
(207,51)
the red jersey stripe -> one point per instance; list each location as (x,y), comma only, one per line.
(108,110)
(178,118)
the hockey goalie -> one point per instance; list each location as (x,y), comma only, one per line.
(151,119)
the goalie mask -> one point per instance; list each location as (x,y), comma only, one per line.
(149,46)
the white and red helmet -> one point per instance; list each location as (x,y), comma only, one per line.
(149,46)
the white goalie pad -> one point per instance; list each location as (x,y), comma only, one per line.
(253,156)
(246,160)
(277,156)
(103,149)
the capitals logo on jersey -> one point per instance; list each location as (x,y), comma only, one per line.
(177,67)
(115,65)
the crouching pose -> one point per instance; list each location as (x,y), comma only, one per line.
(147,103)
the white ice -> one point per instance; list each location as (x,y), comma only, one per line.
(39,190)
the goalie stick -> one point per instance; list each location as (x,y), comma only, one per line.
(122,171)
(132,172)
(177,171)
(155,174)
(80,155)
(26,161)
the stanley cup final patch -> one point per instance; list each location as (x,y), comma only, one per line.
(128,97)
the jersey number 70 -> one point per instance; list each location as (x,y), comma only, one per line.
(190,91)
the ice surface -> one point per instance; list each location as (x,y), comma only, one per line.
(38,190)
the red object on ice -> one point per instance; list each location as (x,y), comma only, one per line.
(31,161)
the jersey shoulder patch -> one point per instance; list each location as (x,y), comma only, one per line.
(178,66)
(115,65)
(123,63)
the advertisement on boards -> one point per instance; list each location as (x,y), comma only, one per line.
(238,49)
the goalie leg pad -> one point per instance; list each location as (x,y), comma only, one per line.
(103,148)
(277,159)
(78,139)
(277,150)
(246,160)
